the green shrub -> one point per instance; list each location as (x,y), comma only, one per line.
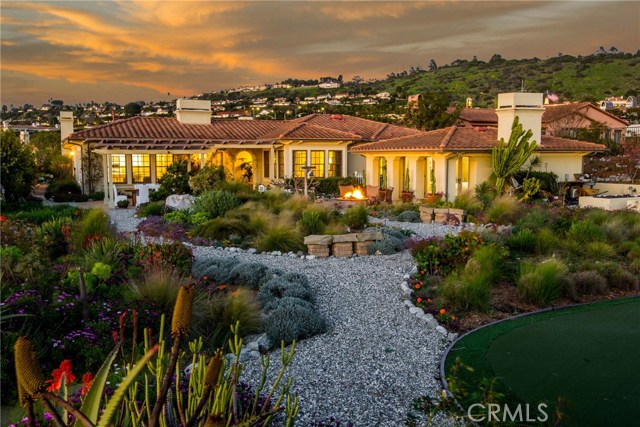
(157,255)
(296,204)
(260,221)
(293,322)
(174,181)
(385,247)
(409,216)
(470,288)
(105,251)
(313,221)
(17,167)
(280,238)
(598,250)
(66,189)
(43,214)
(94,225)
(468,201)
(503,210)
(585,283)
(216,269)
(442,255)
(214,315)
(151,208)
(239,188)
(584,231)
(542,283)
(535,219)
(221,228)
(160,286)
(249,274)
(328,186)
(548,180)
(280,287)
(523,241)
(356,218)
(206,179)
(178,217)
(547,241)
(617,277)
(215,203)
(52,237)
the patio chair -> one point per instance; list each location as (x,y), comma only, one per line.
(118,197)
(372,193)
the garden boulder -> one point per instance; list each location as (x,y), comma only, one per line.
(179,201)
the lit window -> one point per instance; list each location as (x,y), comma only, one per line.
(162,163)
(141,167)
(265,163)
(335,163)
(118,169)
(317,161)
(299,161)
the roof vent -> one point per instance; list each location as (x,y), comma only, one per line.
(336,117)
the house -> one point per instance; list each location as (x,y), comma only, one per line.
(138,150)
(329,85)
(460,156)
(558,119)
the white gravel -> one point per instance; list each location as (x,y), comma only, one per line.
(376,357)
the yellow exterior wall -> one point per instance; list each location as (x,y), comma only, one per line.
(562,164)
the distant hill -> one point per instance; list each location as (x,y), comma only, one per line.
(581,78)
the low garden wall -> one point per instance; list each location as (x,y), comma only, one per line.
(341,245)
(615,188)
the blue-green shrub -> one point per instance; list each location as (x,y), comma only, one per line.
(286,302)
(289,322)
(280,287)
(249,274)
(409,216)
(216,269)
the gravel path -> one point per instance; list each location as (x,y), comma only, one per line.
(376,357)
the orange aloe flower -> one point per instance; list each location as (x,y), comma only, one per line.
(65,369)
(418,286)
(87,380)
(443,311)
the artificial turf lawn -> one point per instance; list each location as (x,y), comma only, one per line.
(589,356)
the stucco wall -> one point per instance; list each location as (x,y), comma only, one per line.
(562,164)
(616,188)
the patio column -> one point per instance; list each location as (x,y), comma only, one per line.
(391,176)
(109,189)
(105,178)
(370,171)
(272,160)
(411,163)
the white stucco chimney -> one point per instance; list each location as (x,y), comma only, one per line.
(66,124)
(529,109)
(193,111)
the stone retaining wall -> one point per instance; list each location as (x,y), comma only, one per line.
(341,245)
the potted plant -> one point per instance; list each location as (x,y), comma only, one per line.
(406,195)
(123,203)
(433,197)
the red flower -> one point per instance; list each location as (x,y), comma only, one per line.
(87,380)
(114,335)
(65,369)
(443,311)
(419,299)
(3,218)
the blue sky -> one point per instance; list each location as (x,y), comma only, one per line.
(130,50)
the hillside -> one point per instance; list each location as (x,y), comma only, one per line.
(582,78)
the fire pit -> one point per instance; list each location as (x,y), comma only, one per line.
(354,197)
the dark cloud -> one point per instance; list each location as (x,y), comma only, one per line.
(144,49)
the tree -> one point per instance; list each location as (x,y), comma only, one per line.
(132,109)
(46,147)
(433,66)
(431,112)
(17,168)
(508,158)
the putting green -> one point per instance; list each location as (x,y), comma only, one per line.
(586,356)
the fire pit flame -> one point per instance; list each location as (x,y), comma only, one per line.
(355,194)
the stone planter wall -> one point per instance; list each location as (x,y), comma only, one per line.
(341,245)
(441,215)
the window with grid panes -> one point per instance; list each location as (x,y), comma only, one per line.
(317,161)
(141,167)
(299,161)
(162,163)
(118,169)
(335,163)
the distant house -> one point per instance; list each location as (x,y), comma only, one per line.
(558,119)
(329,85)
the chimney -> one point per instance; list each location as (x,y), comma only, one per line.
(469,103)
(66,124)
(193,111)
(527,106)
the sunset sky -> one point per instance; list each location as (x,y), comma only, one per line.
(131,50)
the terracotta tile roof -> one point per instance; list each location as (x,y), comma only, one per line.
(170,129)
(467,139)
(478,115)
(305,130)
(367,129)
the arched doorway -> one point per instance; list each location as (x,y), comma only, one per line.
(243,167)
